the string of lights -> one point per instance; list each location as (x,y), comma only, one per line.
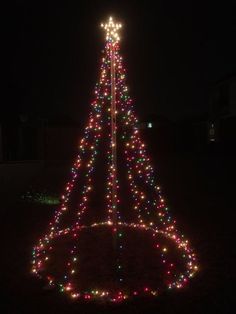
(112,115)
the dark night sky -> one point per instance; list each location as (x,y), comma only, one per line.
(173,51)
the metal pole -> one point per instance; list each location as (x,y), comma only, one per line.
(113,137)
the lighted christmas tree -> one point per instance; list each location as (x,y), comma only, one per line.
(112,236)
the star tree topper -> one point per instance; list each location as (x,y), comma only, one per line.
(112,30)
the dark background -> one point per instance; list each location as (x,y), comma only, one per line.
(175,53)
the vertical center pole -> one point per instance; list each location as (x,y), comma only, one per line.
(113,137)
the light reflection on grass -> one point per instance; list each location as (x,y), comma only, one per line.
(40,198)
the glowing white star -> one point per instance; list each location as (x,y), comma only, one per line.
(111,30)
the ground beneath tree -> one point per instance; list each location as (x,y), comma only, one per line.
(201,197)
(130,260)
